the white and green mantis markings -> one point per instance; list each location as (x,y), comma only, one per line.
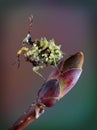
(40,53)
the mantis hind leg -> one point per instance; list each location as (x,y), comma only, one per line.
(21,50)
(36,68)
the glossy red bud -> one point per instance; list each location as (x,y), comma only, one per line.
(49,92)
(68,72)
(61,80)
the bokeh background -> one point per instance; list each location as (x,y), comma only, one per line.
(73,24)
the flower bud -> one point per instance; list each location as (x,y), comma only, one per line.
(61,80)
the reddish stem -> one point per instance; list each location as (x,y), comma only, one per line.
(33,112)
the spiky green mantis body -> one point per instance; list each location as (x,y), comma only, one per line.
(40,53)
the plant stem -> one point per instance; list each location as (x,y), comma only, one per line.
(32,113)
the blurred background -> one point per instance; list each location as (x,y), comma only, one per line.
(72,24)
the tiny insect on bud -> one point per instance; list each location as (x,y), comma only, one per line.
(61,80)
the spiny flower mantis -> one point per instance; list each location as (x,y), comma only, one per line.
(40,52)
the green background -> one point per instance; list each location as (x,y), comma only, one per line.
(73,24)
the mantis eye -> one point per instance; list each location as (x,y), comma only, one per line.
(27,39)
